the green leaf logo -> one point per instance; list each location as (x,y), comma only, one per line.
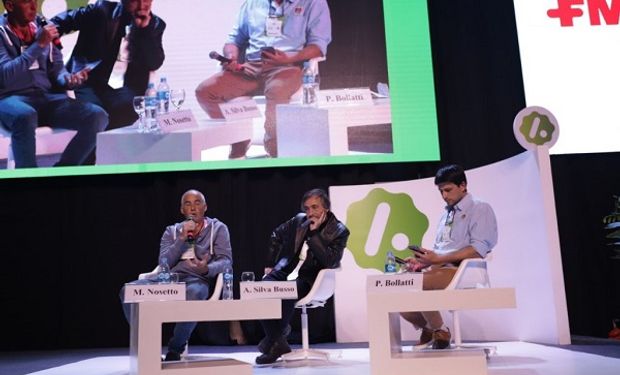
(381,222)
(537,128)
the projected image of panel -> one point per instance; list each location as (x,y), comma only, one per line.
(570,58)
(360,114)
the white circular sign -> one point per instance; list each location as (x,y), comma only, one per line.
(534,127)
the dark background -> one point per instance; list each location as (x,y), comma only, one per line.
(69,243)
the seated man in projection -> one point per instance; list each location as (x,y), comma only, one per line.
(122,43)
(32,84)
(266,50)
(305,244)
(210,241)
(467,229)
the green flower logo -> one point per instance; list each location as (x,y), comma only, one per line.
(537,128)
(381,222)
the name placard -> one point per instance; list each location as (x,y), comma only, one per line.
(330,98)
(176,120)
(268,289)
(154,292)
(399,282)
(240,109)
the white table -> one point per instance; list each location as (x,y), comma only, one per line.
(322,131)
(146,336)
(126,145)
(386,352)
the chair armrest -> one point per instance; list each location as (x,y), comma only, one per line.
(148,275)
(322,289)
(472,273)
(217,290)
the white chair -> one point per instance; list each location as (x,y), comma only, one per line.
(471,274)
(48,141)
(322,289)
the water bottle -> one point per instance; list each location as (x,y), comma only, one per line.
(163,275)
(309,85)
(150,105)
(163,96)
(390,263)
(227,292)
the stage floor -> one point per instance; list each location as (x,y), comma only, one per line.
(514,358)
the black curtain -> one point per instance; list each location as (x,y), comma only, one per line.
(69,243)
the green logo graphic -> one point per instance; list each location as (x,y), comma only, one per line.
(389,216)
(71,4)
(537,128)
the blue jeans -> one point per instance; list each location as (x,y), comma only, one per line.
(195,290)
(21,114)
(117,102)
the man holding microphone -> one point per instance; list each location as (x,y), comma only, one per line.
(266,50)
(31,67)
(197,249)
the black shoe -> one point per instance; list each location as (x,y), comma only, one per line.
(265,343)
(279,347)
(172,356)
(441,339)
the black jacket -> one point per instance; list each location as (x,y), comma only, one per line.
(102,26)
(325,245)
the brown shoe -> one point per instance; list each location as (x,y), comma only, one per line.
(441,339)
(425,337)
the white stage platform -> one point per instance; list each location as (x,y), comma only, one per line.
(513,358)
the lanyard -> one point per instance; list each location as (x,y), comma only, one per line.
(275,10)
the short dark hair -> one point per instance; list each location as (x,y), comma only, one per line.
(450,173)
(316,193)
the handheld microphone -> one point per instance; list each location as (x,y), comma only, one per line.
(190,233)
(216,56)
(42,21)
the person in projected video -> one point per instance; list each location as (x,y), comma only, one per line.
(266,50)
(197,250)
(121,44)
(467,229)
(305,244)
(31,68)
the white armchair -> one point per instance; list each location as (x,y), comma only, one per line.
(322,289)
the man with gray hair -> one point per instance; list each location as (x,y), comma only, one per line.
(197,249)
(306,243)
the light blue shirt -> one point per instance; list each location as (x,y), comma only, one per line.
(304,22)
(472,223)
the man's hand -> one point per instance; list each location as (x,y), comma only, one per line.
(233,66)
(188,226)
(413,265)
(200,266)
(46,34)
(428,257)
(276,58)
(267,271)
(76,79)
(142,19)
(314,224)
